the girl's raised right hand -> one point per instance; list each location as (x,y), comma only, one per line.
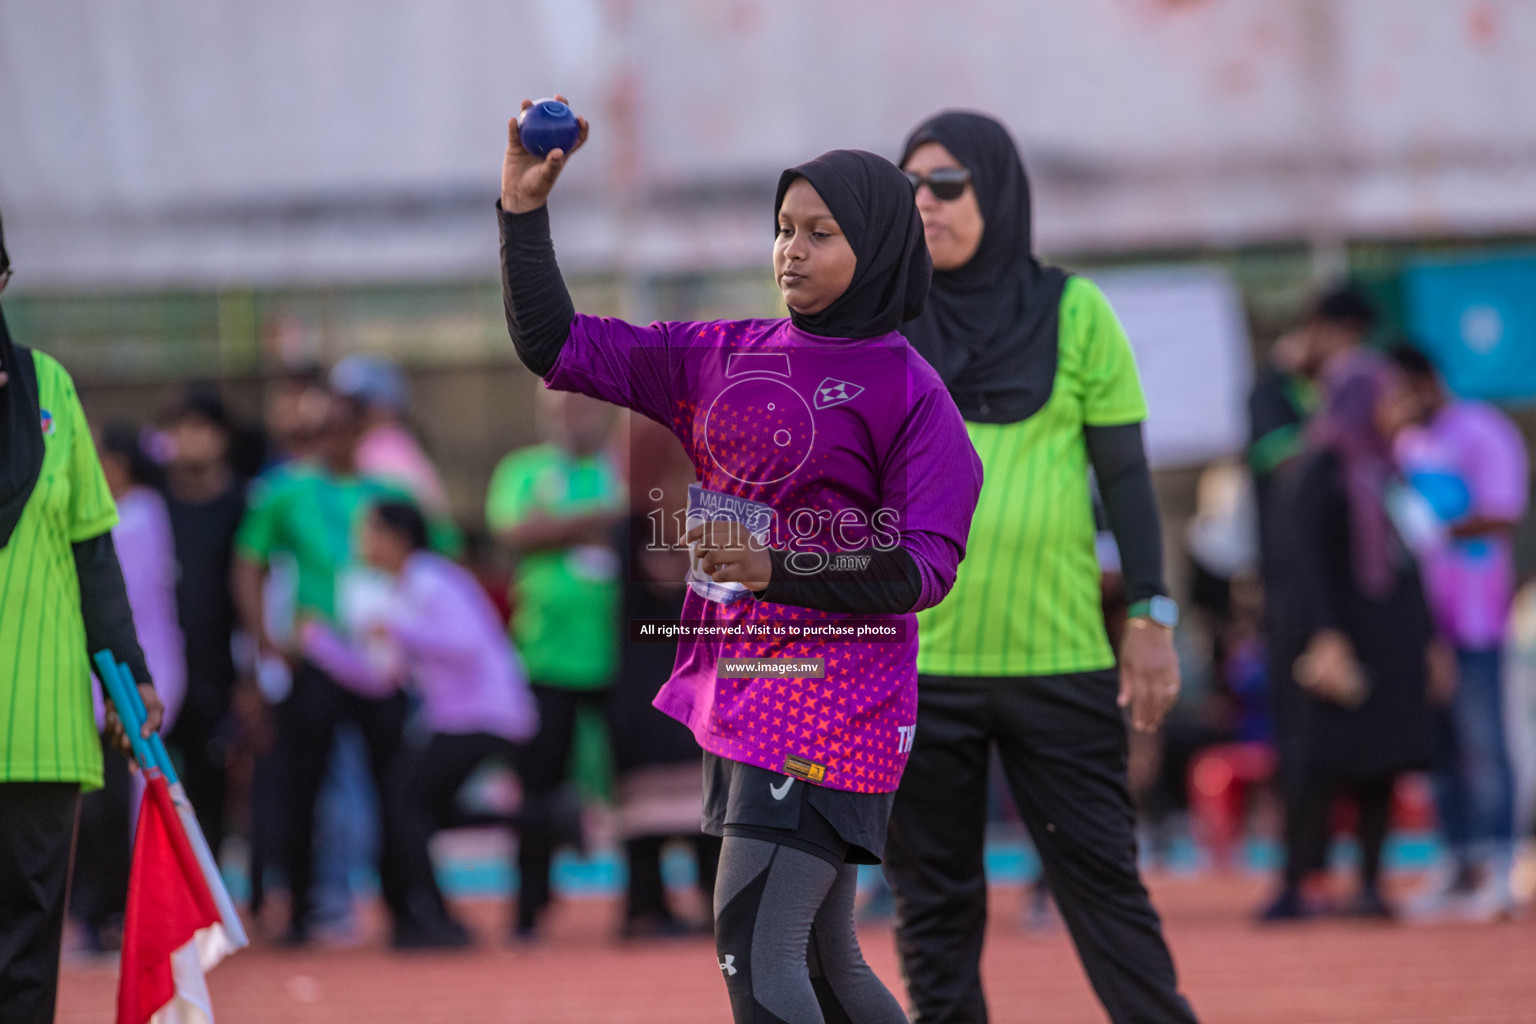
(527,179)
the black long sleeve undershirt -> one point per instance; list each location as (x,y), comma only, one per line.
(538,305)
(890,584)
(104,605)
(1125,487)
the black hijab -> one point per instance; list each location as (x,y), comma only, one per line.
(21,425)
(871,200)
(990,326)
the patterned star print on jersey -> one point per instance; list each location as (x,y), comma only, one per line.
(852,443)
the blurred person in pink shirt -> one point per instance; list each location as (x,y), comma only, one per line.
(440,630)
(148,556)
(1469,462)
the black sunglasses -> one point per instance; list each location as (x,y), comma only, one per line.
(946,183)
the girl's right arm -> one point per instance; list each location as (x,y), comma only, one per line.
(617,362)
(539,309)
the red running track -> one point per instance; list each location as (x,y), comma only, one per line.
(1233,971)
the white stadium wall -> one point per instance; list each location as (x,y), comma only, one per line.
(199,142)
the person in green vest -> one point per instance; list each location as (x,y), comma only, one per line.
(62,598)
(555,505)
(1017,656)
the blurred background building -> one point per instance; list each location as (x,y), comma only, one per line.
(227,189)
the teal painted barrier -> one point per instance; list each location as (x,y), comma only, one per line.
(1008,863)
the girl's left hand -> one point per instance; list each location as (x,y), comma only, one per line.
(730,554)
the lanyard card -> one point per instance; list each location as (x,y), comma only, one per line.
(705,505)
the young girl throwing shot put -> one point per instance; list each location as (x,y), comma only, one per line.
(837,484)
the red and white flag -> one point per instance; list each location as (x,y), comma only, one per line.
(173,931)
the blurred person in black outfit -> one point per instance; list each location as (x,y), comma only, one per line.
(660,782)
(1286,393)
(1284,398)
(1356,634)
(205,498)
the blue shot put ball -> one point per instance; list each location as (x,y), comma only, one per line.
(548,125)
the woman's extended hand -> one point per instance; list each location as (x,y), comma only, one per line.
(526,179)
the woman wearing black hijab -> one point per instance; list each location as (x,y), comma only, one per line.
(840,482)
(61,596)
(1017,655)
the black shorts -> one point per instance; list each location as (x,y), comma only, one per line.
(741,799)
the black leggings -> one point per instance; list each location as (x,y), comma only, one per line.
(1308,826)
(784,930)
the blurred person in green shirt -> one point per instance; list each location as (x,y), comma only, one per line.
(308,512)
(555,505)
(62,597)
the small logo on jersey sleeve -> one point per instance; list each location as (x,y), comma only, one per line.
(832,392)
(48,425)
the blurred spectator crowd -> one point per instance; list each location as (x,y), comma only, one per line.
(347,671)
(1354,663)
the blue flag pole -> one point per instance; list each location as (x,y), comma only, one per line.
(156,744)
(125,699)
(152,755)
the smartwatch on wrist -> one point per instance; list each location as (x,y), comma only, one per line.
(1161,609)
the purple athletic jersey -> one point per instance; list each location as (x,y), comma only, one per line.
(854,444)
